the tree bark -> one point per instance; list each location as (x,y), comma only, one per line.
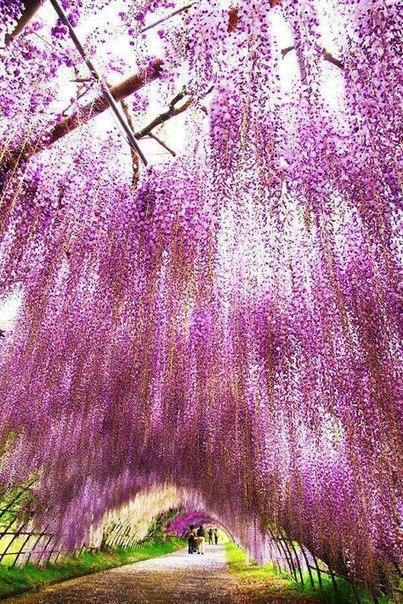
(30,8)
(99,105)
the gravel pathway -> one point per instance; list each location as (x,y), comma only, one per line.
(177,577)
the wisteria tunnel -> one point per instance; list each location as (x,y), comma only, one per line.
(199,280)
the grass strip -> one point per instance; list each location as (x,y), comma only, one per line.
(261,583)
(266,582)
(14,581)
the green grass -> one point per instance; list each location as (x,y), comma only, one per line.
(240,565)
(261,582)
(18,580)
(344,594)
(269,582)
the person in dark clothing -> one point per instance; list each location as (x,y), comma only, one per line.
(201,534)
(191,540)
(216,536)
(210,536)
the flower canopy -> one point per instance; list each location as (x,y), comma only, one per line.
(225,319)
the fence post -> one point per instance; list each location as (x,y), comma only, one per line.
(317,571)
(21,548)
(333,581)
(52,551)
(355,592)
(285,541)
(375,599)
(281,550)
(15,536)
(57,555)
(308,566)
(8,527)
(44,549)
(288,556)
(40,536)
(298,562)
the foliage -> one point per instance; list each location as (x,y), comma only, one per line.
(145,517)
(344,595)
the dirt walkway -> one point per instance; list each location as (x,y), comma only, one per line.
(177,577)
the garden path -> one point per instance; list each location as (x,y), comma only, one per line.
(177,577)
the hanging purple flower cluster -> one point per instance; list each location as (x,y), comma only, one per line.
(231,326)
(10,11)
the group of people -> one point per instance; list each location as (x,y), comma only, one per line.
(196,537)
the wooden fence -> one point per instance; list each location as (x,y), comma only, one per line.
(20,542)
(294,558)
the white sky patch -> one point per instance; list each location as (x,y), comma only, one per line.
(9,308)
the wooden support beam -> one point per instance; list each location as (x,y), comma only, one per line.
(99,105)
(98,78)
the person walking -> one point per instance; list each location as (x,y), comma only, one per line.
(191,540)
(210,536)
(216,536)
(201,534)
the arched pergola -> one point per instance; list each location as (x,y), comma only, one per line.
(224,319)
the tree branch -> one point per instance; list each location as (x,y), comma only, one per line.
(329,57)
(135,157)
(170,113)
(161,142)
(121,91)
(163,19)
(325,54)
(285,51)
(166,115)
(233,19)
(233,15)
(80,93)
(30,8)
(82,80)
